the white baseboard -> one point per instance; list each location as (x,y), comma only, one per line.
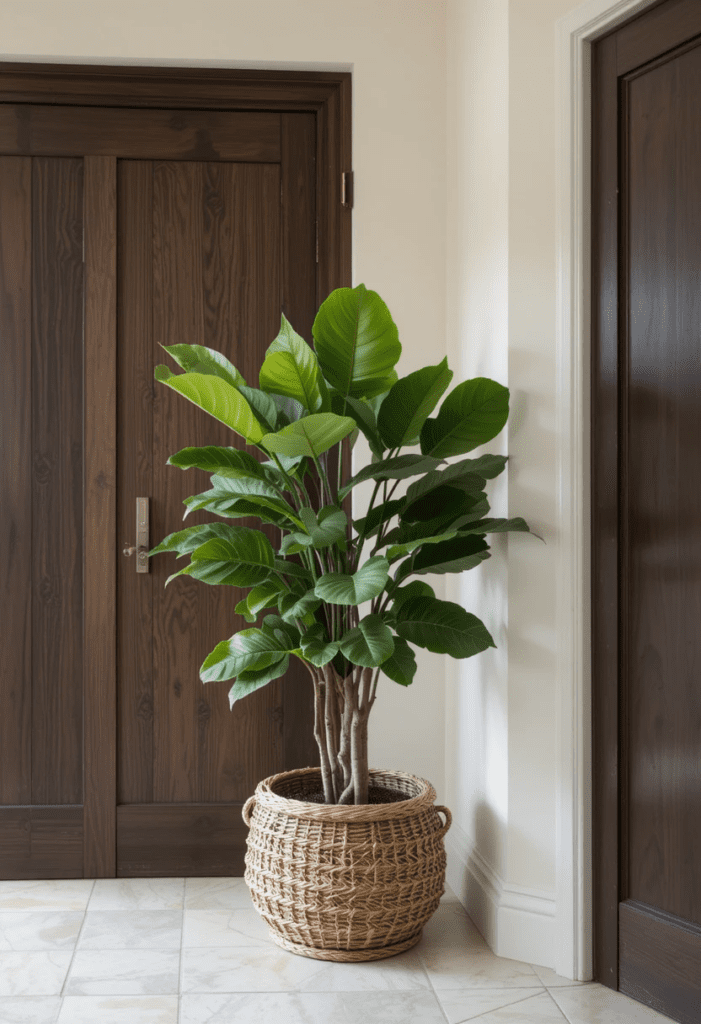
(516,923)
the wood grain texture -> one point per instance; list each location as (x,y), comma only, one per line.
(176,840)
(216,245)
(15,481)
(660,958)
(664,483)
(299,304)
(100,514)
(216,88)
(135,391)
(41,842)
(57,481)
(604,511)
(656,31)
(140,134)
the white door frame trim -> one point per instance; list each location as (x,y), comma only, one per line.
(574,34)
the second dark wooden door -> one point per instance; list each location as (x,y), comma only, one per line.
(647,526)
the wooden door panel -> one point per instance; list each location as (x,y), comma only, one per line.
(116,759)
(216,283)
(16,478)
(140,134)
(41,664)
(57,481)
(646,557)
(664,485)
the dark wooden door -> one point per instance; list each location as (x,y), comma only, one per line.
(122,230)
(646,417)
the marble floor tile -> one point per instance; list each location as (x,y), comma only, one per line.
(119,1010)
(30,1009)
(217,894)
(138,894)
(552,980)
(129,929)
(450,927)
(596,1004)
(39,929)
(54,894)
(471,1003)
(224,928)
(313,1008)
(273,969)
(452,967)
(537,1009)
(125,972)
(33,974)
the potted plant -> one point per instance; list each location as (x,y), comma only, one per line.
(344,863)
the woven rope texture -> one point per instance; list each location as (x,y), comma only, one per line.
(345,883)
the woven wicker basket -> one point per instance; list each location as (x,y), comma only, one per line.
(345,883)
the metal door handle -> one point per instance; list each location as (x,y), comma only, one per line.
(141,549)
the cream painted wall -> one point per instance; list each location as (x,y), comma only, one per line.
(501,722)
(396,51)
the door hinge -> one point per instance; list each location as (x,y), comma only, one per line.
(347,189)
(317,241)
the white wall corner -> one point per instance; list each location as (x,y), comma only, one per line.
(516,923)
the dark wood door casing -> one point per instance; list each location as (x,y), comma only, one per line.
(70,831)
(646,419)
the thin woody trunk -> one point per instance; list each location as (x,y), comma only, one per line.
(332,729)
(320,737)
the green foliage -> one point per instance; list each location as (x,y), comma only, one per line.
(357,342)
(309,575)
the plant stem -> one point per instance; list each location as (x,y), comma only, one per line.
(320,737)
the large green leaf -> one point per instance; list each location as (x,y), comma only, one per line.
(410,401)
(417,588)
(357,342)
(364,415)
(447,502)
(316,646)
(213,460)
(467,475)
(329,527)
(264,596)
(455,555)
(398,468)
(198,359)
(366,583)
(184,541)
(227,492)
(296,606)
(265,509)
(254,679)
(401,664)
(310,436)
(291,369)
(380,514)
(242,559)
(247,649)
(264,408)
(217,397)
(369,644)
(442,627)
(499,526)
(473,413)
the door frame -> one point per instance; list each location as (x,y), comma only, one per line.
(328,94)
(577,905)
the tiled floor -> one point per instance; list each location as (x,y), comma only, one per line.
(193,951)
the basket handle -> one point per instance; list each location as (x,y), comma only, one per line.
(247,810)
(448,818)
